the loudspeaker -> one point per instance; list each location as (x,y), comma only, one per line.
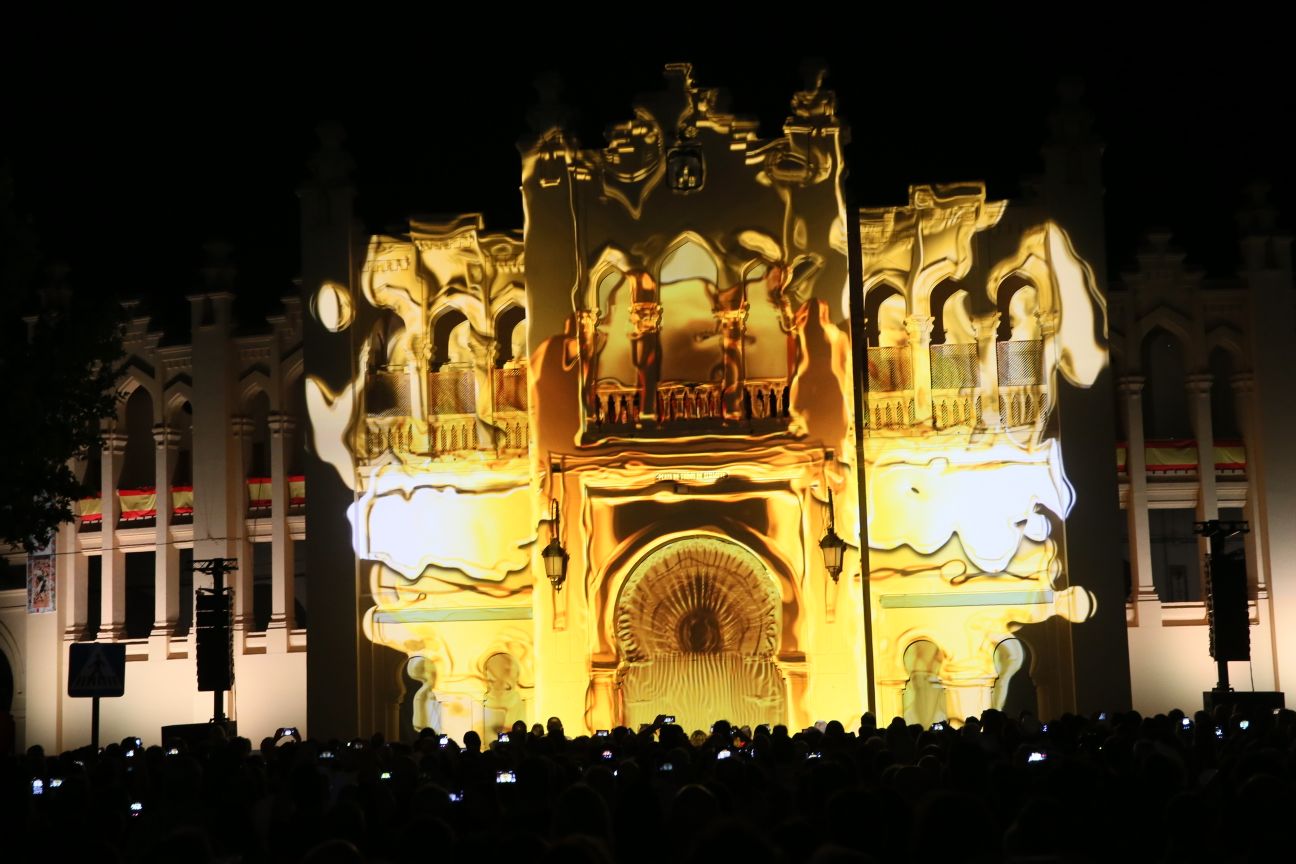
(214,638)
(1226,605)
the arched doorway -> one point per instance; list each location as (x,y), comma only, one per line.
(7,726)
(697,624)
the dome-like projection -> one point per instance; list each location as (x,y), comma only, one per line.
(698,624)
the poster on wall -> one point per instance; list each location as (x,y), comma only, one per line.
(40,582)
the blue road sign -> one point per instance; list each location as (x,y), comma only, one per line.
(96,669)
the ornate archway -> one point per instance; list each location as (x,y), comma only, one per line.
(697,625)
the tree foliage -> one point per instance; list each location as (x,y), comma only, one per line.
(59,351)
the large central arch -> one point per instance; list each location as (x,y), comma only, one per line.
(697,625)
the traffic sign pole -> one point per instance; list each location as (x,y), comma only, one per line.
(94,723)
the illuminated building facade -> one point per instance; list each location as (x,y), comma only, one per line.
(654,381)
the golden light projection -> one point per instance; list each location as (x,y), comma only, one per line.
(967,492)
(655,361)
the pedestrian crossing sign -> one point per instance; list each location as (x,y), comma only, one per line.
(96,669)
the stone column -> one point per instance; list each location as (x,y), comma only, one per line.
(732,324)
(919,328)
(112,586)
(1199,400)
(1048,324)
(1244,398)
(986,328)
(281,592)
(241,431)
(645,351)
(1136,506)
(74,591)
(166,586)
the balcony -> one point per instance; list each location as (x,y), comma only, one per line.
(960,397)
(955,380)
(451,428)
(138,508)
(890,396)
(685,408)
(260,495)
(1167,459)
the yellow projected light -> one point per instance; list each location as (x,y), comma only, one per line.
(667,405)
(968,494)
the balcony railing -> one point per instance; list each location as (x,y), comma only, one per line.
(260,491)
(452,390)
(388,393)
(1169,457)
(955,379)
(687,407)
(1022,405)
(890,370)
(510,390)
(1021,363)
(136,507)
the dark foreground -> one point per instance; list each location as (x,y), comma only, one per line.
(999,789)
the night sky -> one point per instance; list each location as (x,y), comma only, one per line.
(132,142)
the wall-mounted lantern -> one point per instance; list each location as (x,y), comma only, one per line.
(555,556)
(832,546)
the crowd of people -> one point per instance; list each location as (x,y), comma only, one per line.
(1172,787)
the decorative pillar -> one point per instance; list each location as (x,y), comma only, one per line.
(281,556)
(1199,398)
(1136,506)
(919,328)
(166,586)
(75,593)
(1244,397)
(241,430)
(986,328)
(112,586)
(645,348)
(1049,355)
(732,324)
(586,322)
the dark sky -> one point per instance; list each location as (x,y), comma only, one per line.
(132,142)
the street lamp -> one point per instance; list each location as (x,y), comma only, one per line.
(555,556)
(832,546)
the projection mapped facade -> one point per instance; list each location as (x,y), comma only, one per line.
(655,382)
(657,375)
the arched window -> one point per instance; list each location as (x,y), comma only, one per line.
(511,354)
(452,388)
(138,465)
(1165,397)
(890,362)
(1014,691)
(449,336)
(954,361)
(1224,418)
(690,339)
(1018,303)
(510,336)
(258,455)
(951,319)
(924,694)
(884,314)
